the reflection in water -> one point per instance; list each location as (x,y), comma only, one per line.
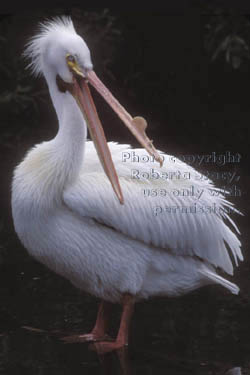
(38,351)
(109,365)
(107,361)
(234,371)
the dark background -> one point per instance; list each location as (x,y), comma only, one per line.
(186,70)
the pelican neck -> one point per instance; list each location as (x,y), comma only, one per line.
(69,144)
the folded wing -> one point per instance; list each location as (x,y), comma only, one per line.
(186,215)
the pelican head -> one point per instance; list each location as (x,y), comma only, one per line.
(56,48)
(68,58)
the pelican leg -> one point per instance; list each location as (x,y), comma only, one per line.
(98,333)
(121,341)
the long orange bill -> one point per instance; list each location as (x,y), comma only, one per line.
(136,125)
(87,106)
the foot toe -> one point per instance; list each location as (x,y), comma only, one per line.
(90,337)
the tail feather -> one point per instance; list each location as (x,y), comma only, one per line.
(220,280)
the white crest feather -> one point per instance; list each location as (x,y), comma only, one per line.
(37,44)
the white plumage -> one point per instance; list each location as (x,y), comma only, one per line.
(68,217)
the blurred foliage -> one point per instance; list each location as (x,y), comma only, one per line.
(17,95)
(228,36)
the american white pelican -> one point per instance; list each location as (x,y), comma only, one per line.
(125,247)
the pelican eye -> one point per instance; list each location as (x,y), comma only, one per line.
(71,59)
(73,65)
